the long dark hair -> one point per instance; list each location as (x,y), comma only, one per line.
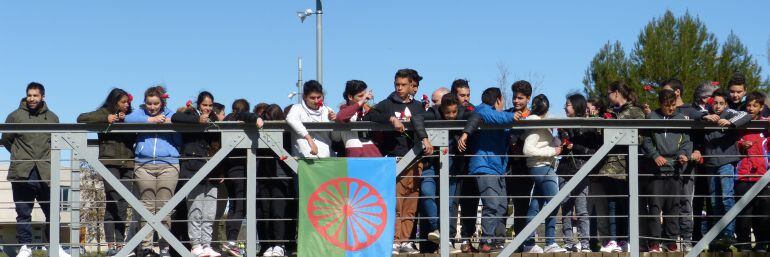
(273,112)
(202,96)
(579,104)
(111,102)
(627,92)
(540,105)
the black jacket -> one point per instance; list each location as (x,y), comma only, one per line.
(392,143)
(585,142)
(197,146)
(473,121)
(722,142)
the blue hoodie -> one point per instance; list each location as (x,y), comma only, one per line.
(155,148)
(491,142)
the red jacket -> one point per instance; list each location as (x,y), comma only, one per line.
(755,165)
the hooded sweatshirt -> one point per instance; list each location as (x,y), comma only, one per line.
(29,146)
(722,142)
(155,148)
(669,144)
(299,114)
(392,143)
(357,143)
(489,147)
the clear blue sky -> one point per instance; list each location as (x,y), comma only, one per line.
(80,49)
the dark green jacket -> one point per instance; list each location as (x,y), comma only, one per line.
(29,146)
(115,149)
(618,164)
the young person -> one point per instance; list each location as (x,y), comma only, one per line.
(235,183)
(272,203)
(30,168)
(450,109)
(721,144)
(579,145)
(116,150)
(469,203)
(397,108)
(312,109)
(612,224)
(737,89)
(700,189)
(357,144)
(665,155)
(201,202)
(541,148)
(517,168)
(156,166)
(754,146)
(489,163)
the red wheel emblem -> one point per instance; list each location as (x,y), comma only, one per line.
(348,212)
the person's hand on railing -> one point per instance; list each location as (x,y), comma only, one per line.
(660,161)
(158,119)
(712,118)
(260,123)
(683,159)
(724,123)
(461,143)
(426,146)
(696,156)
(397,125)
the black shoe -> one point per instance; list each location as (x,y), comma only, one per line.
(467,247)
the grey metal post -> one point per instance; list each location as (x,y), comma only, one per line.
(319,41)
(730,215)
(444,201)
(299,80)
(75,202)
(53,248)
(251,203)
(633,192)
(612,138)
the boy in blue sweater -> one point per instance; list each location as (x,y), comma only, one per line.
(490,162)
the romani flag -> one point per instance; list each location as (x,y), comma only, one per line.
(346,207)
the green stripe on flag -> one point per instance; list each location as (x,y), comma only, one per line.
(312,174)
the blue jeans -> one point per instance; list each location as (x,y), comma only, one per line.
(546,186)
(429,204)
(721,189)
(491,188)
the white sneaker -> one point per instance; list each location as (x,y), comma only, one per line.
(554,248)
(533,249)
(63,253)
(208,251)
(278,251)
(453,250)
(611,247)
(408,248)
(396,249)
(197,250)
(24,251)
(435,236)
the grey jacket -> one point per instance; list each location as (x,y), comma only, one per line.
(29,150)
(722,142)
(666,143)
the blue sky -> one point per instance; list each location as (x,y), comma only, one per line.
(81,49)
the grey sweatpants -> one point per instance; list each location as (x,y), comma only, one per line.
(202,210)
(576,206)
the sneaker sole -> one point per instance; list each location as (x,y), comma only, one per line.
(434,238)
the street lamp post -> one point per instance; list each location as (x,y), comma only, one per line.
(318,36)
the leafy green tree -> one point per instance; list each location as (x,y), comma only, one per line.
(610,64)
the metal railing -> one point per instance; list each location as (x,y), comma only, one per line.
(625,133)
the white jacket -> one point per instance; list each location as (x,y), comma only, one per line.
(539,146)
(300,113)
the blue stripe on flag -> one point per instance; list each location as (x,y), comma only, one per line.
(380,174)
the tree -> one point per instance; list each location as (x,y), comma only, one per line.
(670,47)
(610,64)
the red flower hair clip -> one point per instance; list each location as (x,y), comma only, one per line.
(164,96)
(130,97)
(189,103)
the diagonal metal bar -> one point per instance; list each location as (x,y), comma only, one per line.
(408,158)
(154,220)
(563,193)
(278,149)
(730,215)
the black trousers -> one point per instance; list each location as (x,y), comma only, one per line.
(115,223)
(754,217)
(24,195)
(274,203)
(613,225)
(699,206)
(519,188)
(236,191)
(661,195)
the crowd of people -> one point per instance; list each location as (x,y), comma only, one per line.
(495,168)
